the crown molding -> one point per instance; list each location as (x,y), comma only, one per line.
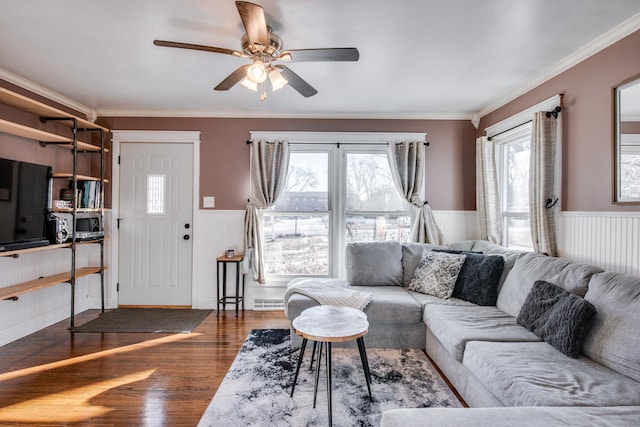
(47,93)
(607,39)
(279,115)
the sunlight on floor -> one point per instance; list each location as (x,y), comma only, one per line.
(93,356)
(67,406)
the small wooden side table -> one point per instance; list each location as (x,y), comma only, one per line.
(224,299)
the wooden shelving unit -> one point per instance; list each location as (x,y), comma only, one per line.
(78,125)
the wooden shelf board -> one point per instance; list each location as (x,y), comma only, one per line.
(79,210)
(31,133)
(44,282)
(43,110)
(38,249)
(84,146)
(80,177)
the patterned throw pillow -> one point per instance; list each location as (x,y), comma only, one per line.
(436,274)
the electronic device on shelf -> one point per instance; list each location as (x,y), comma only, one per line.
(24,196)
(88,224)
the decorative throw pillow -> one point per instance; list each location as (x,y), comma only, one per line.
(479,278)
(436,274)
(557,316)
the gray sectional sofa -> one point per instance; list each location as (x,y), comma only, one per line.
(491,359)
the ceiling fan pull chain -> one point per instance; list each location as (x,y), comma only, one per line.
(263,96)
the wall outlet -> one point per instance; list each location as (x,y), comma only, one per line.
(208,202)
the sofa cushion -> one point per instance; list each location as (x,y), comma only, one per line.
(612,416)
(455,326)
(411,255)
(436,274)
(557,316)
(464,246)
(478,279)
(536,374)
(510,256)
(614,338)
(374,263)
(389,304)
(425,299)
(571,276)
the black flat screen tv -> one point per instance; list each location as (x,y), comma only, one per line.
(24,199)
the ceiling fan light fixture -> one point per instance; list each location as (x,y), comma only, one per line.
(277,80)
(251,85)
(257,72)
(285,56)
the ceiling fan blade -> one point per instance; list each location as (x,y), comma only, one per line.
(255,24)
(296,82)
(233,78)
(337,54)
(214,49)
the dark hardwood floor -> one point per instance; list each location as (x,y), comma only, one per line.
(53,377)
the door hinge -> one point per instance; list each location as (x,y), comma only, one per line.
(118,159)
(118,287)
(118,223)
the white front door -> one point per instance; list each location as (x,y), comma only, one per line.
(155,224)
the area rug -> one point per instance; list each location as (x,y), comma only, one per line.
(146,320)
(255,391)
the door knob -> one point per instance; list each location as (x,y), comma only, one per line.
(186,237)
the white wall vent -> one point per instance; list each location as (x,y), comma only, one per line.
(268,304)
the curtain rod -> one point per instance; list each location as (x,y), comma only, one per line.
(553,113)
(426,143)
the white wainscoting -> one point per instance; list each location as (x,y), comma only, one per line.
(457,226)
(610,240)
(39,309)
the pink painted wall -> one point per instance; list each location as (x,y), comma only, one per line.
(587,122)
(224,154)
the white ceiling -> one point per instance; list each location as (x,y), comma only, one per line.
(418,58)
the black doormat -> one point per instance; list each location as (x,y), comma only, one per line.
(146,320)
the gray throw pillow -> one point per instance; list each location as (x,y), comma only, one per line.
(560,318)
(479,278)
(374,263)
(436,274)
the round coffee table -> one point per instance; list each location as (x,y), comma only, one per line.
(328,324)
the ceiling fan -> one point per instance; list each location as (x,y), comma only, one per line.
(264,49)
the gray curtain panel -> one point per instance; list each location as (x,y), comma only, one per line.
(269,165)
(487,194)
(406,160)
(543,183)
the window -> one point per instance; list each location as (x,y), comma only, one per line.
(155,194)
(513,151)
(296,229)
(333,195)
(373,208)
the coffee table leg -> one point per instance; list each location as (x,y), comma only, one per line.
(315,386)
(295,378)
(365,364)
(313,355)
(328,357)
